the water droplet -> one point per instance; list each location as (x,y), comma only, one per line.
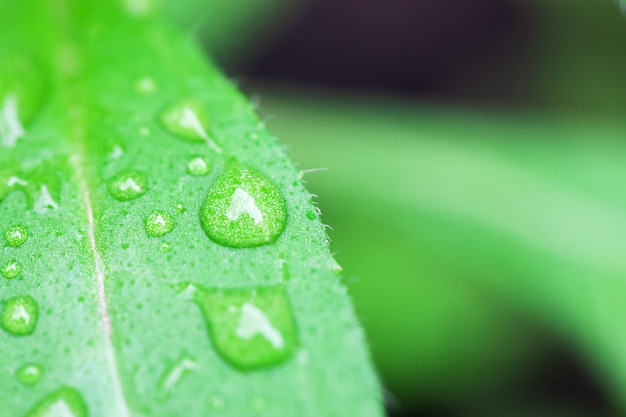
(139,8)
(11,269)
(29,374)
(188,119)
(16,236)
(13,181)
(117,152)
(128,186)
(145,131)
(11,128)
(259,403)
(44,201)
(180,207)
(243,209)
(19,315)
(284,267)
(146,85)
(159,223)
(64,402)
(303,357)
(40,184)
(20,97)
(165,247)
(198,166)
(310,215)
(249,328)
(176,373)
(216,403)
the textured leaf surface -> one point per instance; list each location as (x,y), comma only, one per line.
(113,132)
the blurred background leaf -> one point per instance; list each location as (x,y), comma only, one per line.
(475,185)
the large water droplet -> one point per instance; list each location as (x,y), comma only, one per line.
(19,315)
(11,269)
(249,328)
(29,374)
(128,186)
(64,402)
(198,166)
(243,209)
(159,223)
(16,236)
(189,119)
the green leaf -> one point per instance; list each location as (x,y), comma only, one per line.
(530,208)
(120,300)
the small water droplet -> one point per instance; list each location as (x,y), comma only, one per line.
(165,247)
(64,402)
(303,357)
(29,374)
(128,186)
(145,131)
(11,128)
(16,236)
(176,373)
(310,215)
(198,166)
(284,267)
(44,201)
(159,223)
(117,152)
(20,97)
(11,270)
(243,209)
(146,85)
(40,183)
(19,315)
(139,8)
(189,119)
(180,207)
(216,403)
(249,328)
(259,403)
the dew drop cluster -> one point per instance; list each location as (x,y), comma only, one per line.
(249,328)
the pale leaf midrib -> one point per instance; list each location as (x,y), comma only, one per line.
(66,59)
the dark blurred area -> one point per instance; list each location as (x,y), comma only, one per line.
(543,57)
(556,55)
(405,46)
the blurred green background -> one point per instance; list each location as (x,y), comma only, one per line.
(470,158)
